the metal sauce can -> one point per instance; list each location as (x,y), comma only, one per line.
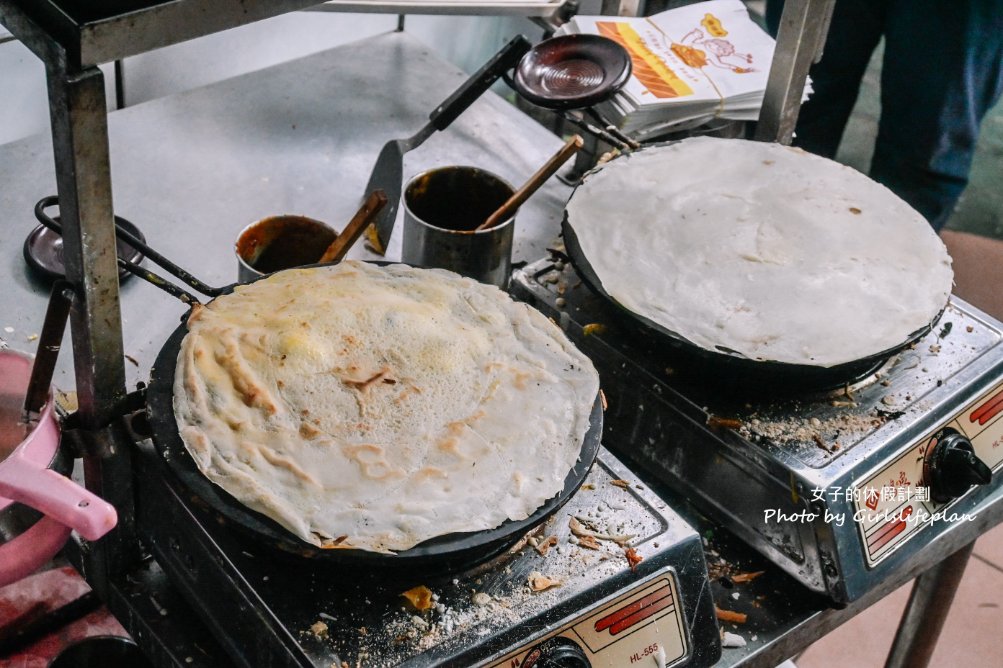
(441,209)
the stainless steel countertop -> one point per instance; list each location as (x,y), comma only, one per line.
(191,170)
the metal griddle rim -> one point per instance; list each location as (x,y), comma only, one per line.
(744,369)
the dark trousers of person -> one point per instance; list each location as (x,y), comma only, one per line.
(942,71)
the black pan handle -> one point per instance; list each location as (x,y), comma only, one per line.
(475,86)
(131,267)
(127,237)
(49,342)
(158,282)
(577,119)
(612,129)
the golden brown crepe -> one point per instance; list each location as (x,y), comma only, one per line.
(378,407)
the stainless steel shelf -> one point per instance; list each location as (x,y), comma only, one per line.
(527,8)
(91,33)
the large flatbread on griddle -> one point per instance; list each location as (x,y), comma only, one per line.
(378,407)
(761,250)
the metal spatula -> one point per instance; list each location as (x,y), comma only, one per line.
(388,172)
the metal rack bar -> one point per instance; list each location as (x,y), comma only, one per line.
(527,8)
(926,612)
(80,140)
(96,33)
(83,176)
(803,28)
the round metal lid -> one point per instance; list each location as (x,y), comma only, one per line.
(43,250)
(572,71)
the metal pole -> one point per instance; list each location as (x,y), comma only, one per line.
(83,178)
(119,84)
(926,612)
(803,28)
(78,111)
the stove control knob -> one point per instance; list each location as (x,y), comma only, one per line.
(952,466)
(557,652)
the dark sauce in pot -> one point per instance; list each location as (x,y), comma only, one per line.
(456,199)
(283,242)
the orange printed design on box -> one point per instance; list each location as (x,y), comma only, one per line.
(713,25)
(648,68)
(699,50)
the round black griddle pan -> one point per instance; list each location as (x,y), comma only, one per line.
(728,366)
(449,551)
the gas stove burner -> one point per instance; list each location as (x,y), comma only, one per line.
(559,597)
(839,488)
(43,251)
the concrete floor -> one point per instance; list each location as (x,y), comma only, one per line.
(971,635)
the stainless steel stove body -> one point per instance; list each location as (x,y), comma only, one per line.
(835,488)
(276,611)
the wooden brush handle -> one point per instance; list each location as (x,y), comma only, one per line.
(363,217)
(531,186)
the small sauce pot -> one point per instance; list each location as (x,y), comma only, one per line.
(441,209)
